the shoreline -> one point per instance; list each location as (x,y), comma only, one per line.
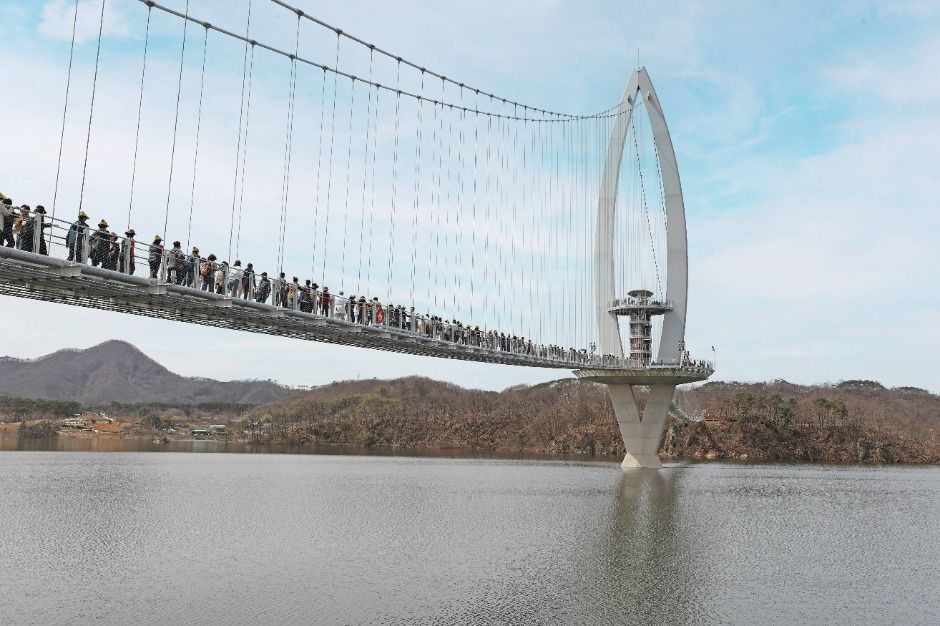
(123,442)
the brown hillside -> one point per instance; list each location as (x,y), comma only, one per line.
(773,421)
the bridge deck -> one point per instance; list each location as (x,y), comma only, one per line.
(38,277)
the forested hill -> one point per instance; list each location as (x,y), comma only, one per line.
(115,371)
(851,421)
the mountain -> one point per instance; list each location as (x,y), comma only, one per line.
(116,371)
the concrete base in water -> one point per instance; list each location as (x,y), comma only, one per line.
(641,432)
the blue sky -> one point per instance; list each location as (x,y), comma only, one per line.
(806,135)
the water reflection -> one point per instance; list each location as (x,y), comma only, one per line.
(123,538)
(109,443)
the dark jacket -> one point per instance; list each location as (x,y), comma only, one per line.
(156,254)
(100,241)
(264,289)
(76,235)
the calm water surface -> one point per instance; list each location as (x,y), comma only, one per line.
(172,538)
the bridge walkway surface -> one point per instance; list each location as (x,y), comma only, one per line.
(39,277)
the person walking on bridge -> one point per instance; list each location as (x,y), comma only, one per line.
(190,267)
(221,271)
(29,228)
(207,272)
(155,256)
(6,228)
(174,264)
(19,223)
(126,263)
(293,291)
(280,292)
(234,285)
(99,243)
(264,289)
(75,239)
(110,261)
(248,282)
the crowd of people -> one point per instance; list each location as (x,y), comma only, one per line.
(106,249)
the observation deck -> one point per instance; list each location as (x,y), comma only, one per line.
(652,374)
(625,306)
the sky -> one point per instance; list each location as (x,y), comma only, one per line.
(806,134)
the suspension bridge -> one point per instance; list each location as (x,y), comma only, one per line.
(450,221)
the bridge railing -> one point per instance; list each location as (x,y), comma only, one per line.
(81,243)
(631,301)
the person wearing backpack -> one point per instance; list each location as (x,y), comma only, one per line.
(207,272)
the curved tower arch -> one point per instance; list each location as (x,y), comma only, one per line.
(677,263)
(642,430)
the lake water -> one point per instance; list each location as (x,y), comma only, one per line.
(173,538)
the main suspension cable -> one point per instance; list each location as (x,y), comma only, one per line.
(418,67)
(552,118)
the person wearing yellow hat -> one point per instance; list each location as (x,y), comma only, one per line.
(31,231)
(156,255)
(75,239)
(99,243)
(190,266)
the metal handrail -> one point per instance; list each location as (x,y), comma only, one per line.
(631,301)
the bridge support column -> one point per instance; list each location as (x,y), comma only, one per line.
(641,432)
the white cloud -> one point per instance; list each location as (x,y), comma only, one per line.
(58,17)
(823,271)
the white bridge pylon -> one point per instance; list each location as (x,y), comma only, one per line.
(642,429)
